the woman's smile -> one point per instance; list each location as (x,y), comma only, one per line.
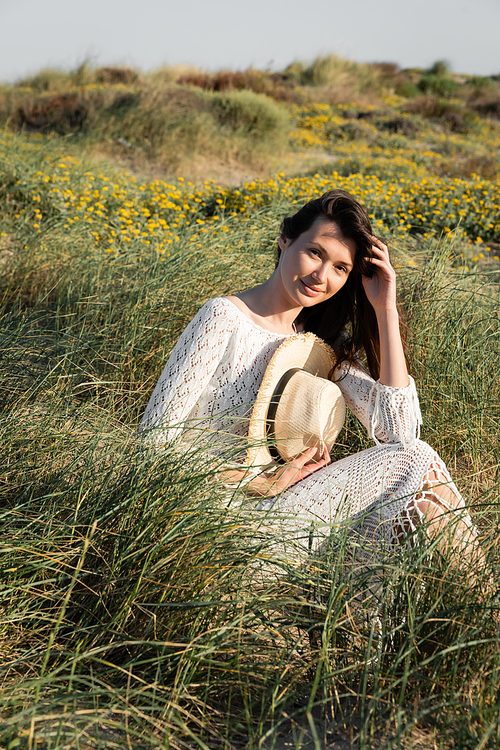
(310,290)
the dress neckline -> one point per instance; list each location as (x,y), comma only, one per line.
(256,325)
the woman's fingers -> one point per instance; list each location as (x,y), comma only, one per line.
(382,262)
(311,468)
(380,287)
(380,251)
(300,468)
(379,256)
(303,458)
(379,245)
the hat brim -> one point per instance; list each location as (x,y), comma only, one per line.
(304,350)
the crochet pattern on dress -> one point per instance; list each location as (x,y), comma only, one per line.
(211,381)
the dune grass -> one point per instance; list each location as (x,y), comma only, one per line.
(167,128)
(141,606)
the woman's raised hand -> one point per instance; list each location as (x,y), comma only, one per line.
(380,288)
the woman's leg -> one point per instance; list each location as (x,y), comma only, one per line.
(384,494)
(441,508)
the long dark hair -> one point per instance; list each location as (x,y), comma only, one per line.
(346,321)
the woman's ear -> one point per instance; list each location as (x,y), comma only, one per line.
(283,242)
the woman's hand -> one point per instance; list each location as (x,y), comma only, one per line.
(272,483)
(381,287)
(289,474)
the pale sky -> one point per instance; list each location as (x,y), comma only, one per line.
(213,34)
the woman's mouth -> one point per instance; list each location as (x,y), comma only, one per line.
(311,291)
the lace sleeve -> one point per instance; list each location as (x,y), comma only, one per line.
(391,415)
(189,368)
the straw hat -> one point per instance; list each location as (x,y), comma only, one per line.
(296,406)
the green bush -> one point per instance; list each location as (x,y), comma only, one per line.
(48,79)
(157,119)
(440,68)
(335,71)
(250,114)
(407,89)
(168,123)
(438,85)
(481,83)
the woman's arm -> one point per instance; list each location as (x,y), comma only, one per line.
(380,290)
(389,408)
(189,369)
(390,414)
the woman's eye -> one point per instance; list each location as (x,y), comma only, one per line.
(342,268)
(316,252)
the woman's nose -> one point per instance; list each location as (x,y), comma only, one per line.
(320,273)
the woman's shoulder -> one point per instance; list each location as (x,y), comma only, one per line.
(218,313)
(219,307)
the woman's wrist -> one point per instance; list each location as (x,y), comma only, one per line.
(387,315)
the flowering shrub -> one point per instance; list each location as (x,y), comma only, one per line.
(391,142)
(118,210)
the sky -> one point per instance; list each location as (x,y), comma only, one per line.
(214,34)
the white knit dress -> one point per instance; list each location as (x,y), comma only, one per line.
(211,381)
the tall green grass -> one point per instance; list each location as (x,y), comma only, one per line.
(141,605)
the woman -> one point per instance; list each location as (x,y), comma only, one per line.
(335,279)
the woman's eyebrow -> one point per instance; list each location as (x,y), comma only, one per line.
(346,262)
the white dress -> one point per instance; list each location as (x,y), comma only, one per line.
(211,380)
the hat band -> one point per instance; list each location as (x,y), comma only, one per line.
(273,408)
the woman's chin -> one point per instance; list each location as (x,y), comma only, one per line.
(312,301)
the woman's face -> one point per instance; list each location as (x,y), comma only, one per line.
(317,264)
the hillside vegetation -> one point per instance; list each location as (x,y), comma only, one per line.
(183,122)
(142,605)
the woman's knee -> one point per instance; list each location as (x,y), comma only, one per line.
(424,449)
